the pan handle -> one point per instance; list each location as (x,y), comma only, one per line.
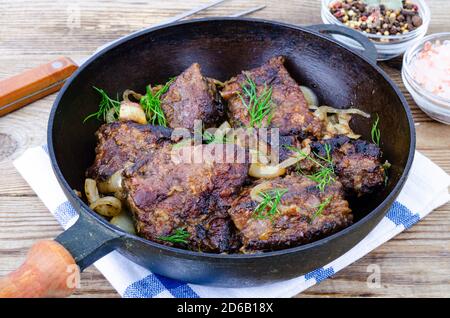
(369,50)
(52,268)
(48,271)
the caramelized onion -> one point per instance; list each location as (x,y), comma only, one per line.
(112,185)
(254,193)
(258,170)
(310,96)
(339,121)
(107,206)
(110,115)
(332,110)
(124,221)
(132,111)
(91,191)
(128,92)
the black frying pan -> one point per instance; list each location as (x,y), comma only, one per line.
(224,47)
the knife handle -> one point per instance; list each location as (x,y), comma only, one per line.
(31,85)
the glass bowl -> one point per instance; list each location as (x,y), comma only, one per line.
(388,46)
(437,107)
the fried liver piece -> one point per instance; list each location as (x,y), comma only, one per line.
(290,111)
(119,144)
(166,195)
(298,220)
(191,97)
(357,163)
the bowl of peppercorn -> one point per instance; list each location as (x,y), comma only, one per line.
(392,25)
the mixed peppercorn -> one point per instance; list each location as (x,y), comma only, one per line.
(377,19)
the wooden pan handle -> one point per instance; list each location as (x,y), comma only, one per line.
(31,85)
(48,271)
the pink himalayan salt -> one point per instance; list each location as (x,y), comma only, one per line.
(431,68)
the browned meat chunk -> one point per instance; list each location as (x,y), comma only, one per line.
(299,219)
(192,97)
(120,143)
(290,111)
(356,164)
(166,194)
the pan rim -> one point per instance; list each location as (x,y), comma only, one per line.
(187,253)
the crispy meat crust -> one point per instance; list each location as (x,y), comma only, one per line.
(165,195)
(294,225)
(192,97)
(120,143)
(356,163)
(291,114)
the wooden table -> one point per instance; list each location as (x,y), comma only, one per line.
(32,32)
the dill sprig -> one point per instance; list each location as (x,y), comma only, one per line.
(180,235)
(320,208)
(105,106)
(210,138)
(375,132)
(151,104)
(182,143)
(268,207)
(325,175)
(259,106)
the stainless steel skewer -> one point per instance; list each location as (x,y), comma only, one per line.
(185,15)
(247,12)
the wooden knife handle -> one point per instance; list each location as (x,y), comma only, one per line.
(48,271)
(31,85)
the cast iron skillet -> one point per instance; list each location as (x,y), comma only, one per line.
(225,47)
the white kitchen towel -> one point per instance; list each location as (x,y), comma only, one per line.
(425,190)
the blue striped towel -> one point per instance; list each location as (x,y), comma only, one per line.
(425,190)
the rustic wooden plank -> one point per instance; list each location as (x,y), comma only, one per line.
(415,263)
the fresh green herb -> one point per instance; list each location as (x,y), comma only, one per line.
(180,235)
(259,106)
(320,208)
(183,143)
(105,106)
(376,134)
(325,175)
(210,138)
(151,104)
(268,207)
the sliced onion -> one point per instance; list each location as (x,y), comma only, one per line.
(254,193)
(124,221)
(110,115)
(91,191)
(258,170)
(310,96)
(217,82)
(132,111)
(107,206)
(112,185)
(332,110)
(128,92)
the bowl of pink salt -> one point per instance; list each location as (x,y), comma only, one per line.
(426,75)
